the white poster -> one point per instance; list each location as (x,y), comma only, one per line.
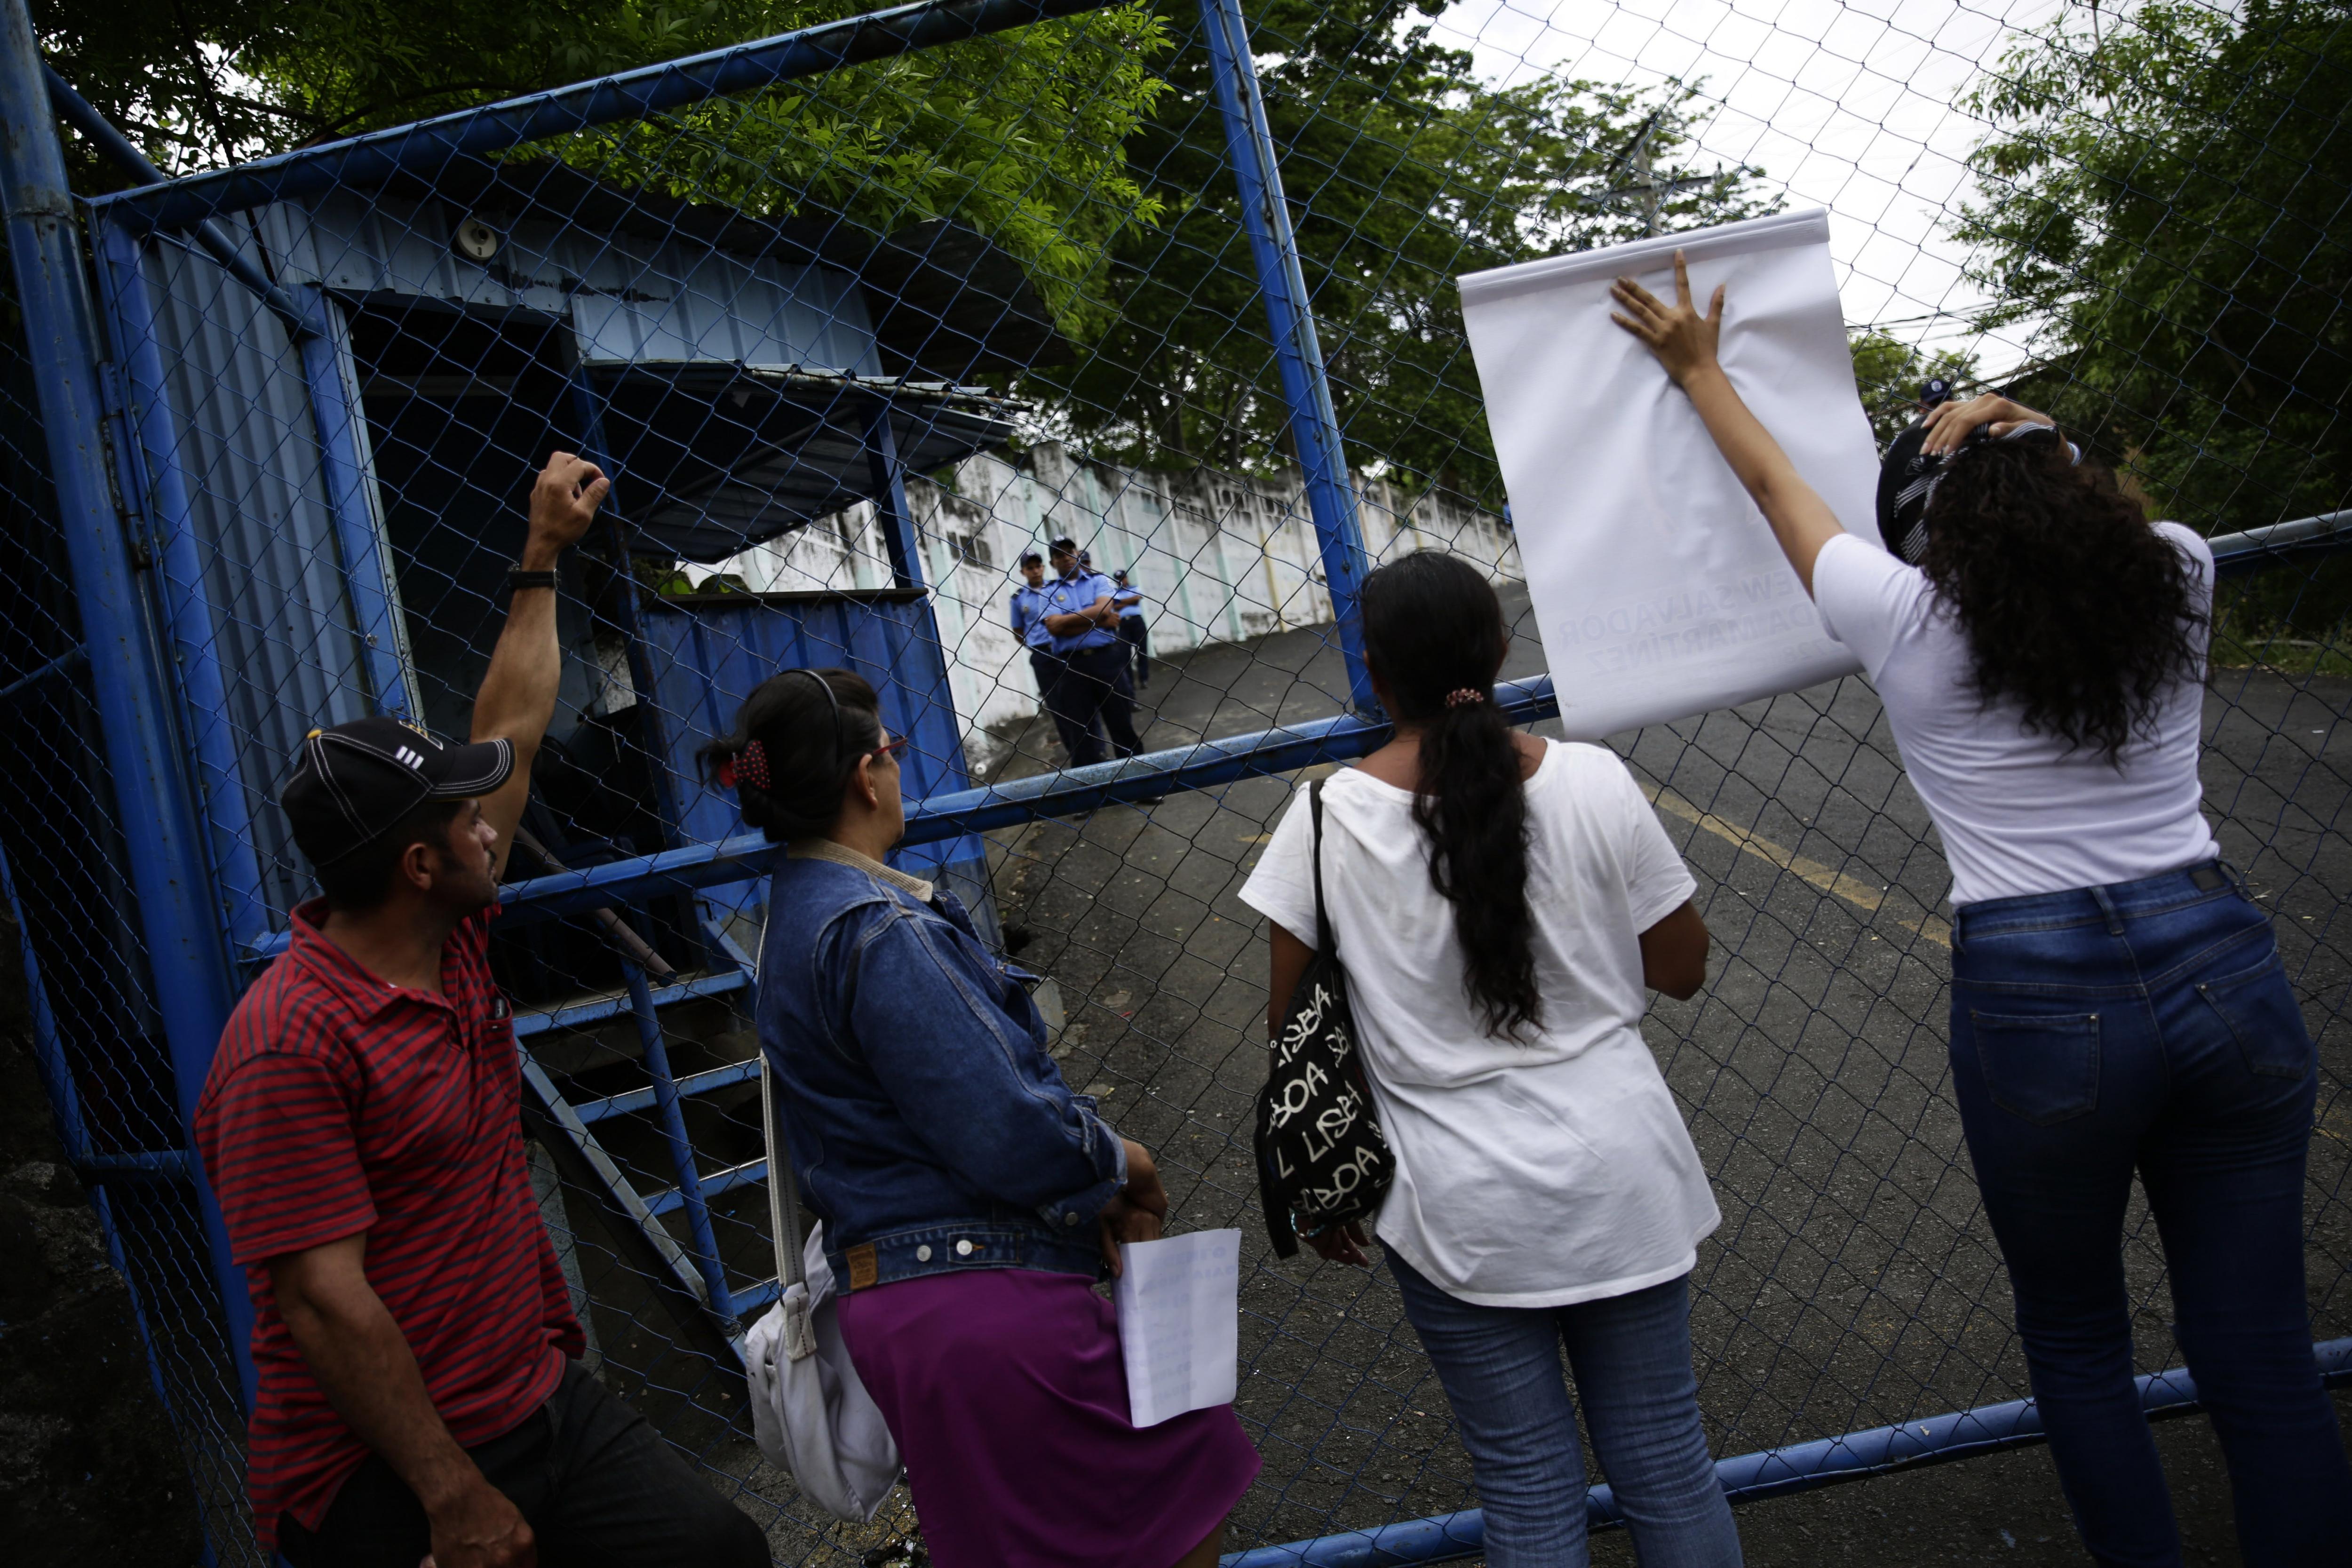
(1179,1304)
(1657,585)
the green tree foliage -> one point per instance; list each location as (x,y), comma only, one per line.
(1020,135)
(1888,372)
(1401,171)
(2167,205)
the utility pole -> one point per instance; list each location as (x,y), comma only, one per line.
(1653,192)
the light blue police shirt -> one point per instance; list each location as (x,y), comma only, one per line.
(1029,616)
(1074,595)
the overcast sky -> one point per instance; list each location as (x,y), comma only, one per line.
(1856,106)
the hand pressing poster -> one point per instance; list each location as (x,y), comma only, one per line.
(1657,585)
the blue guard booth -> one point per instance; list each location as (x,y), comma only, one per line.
(339,468)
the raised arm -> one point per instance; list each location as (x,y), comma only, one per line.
(1684,342)
(517,694)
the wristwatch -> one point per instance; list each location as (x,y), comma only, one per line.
(518,579)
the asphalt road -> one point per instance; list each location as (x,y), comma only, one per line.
(1854,1282)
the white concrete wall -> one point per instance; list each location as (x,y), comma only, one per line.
(1219,557)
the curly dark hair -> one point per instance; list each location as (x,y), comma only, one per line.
(1434,627)
(2074,607)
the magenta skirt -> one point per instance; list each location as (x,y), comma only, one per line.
(1005,1391)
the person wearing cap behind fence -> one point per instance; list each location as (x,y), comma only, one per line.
(2119,1002)
(970,1200)
(1028,616)
(1092,684)
(418,1383)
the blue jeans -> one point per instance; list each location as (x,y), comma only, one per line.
(2149,1026)
(1632,1354)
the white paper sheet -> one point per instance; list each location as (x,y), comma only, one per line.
(1657,585)
(1179,1302)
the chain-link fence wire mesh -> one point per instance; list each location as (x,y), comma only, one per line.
(90,997)
(852,341)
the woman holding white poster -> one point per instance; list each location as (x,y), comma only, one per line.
(1502,905)
(2118,1003)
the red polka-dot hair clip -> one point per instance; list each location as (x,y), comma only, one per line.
(747,766)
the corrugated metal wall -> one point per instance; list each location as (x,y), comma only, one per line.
(242,450)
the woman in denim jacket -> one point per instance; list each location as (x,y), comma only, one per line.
(970,1200)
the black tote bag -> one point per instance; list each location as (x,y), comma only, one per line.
(1321,1156)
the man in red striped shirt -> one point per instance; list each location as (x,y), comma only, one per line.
(413,1342)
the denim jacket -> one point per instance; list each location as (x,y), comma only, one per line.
(928,1126)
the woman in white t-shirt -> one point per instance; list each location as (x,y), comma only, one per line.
(1501,905)
(2118,1003)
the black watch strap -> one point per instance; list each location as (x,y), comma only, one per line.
(519,579)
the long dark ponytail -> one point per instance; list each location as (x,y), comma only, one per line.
(812,726)
(1433,636)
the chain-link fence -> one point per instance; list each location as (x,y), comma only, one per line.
(858,315)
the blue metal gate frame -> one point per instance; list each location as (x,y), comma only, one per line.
(200,901)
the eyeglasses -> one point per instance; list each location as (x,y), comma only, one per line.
(894,750)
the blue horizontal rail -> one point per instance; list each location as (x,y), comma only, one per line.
(1201,765)
(578,1015)
(141,1165)
(749,1174)
(65,664)
(429,146)
(1775,1472)
(2237,553)
(593,1111)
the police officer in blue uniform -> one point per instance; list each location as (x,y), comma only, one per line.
(1028,618)
(1092,682)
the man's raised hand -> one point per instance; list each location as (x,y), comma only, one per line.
(564,502)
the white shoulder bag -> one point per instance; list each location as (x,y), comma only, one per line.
(809,1411)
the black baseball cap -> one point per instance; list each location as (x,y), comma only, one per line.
(1031,558)
(1065,547)
(1933,392)
(356,781)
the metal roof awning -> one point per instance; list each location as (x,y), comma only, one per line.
(714,457)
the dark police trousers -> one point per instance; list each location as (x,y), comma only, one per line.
(594,1481)
(1048,670)
(1094,685)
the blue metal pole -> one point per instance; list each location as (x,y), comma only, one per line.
(79,113)
(652,727)
(1203,764)
(345,468)
(154,803)
(887,475)
(428,146)
(1298,352)
(187,608)
(323,338)
(667,1105)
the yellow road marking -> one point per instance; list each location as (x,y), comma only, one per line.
(1836,883)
